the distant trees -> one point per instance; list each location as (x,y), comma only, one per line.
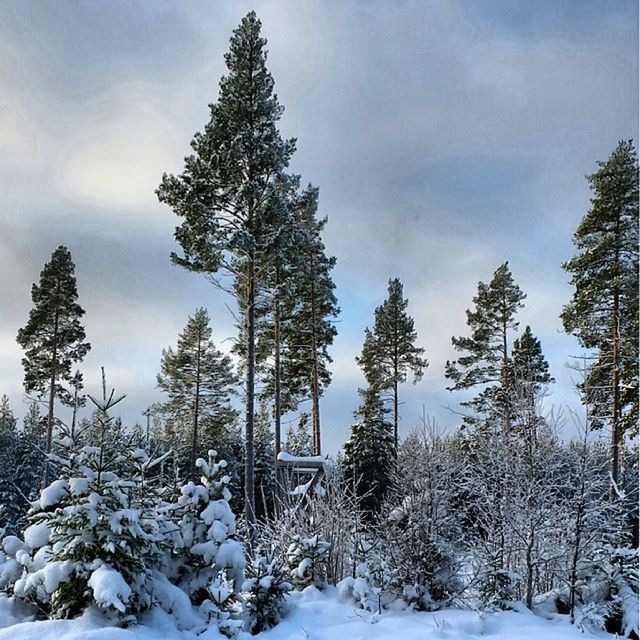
(392,347)
(199,382)
(603,312)
(53,338)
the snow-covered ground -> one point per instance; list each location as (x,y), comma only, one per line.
(313,616)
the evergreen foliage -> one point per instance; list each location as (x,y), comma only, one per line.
(199,382)
(264,591)
(392,347)
(10,498)
(603,312)
(312,305)
(93,533)
(485,360)
(298,442)
(369,452)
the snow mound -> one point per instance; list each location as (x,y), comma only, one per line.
(315,614)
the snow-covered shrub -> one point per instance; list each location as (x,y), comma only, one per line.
(497,587)
(610,585)
(591,616)
(264,591)
(331,512)
(365,589)
(12,551)
(306,559)
(90,543)
(208,562)
(418,535)
(223,605)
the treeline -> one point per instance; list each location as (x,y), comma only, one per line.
(500,511)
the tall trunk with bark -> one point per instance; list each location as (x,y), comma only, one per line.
(249,489)
(196,412)
(315,383)
(52,395)
(615,373)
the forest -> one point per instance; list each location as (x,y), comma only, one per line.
(222,509)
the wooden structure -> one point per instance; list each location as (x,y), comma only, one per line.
(298,476)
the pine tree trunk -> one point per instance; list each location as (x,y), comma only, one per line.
(615,373)
(52,394)
(315,384)
(196,412)
(249,489)
(504,373)
(395,412)
(277,374)
(395,384)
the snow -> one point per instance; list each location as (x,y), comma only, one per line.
(314,615)
(109,588)
(299,460)
(37,535)
(53,494)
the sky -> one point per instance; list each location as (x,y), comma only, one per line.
(445,138)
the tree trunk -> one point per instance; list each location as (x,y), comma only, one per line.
(615,373)
(52,394)
(277,375)
(315,383)
(196,412)
(249,489)
(395,412)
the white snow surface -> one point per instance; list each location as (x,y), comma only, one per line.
(313,615)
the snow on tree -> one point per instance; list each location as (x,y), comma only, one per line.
(298,442)
(53,338)
(418,535)
(91,541)
(306,559)
(208,562)
(264,591)
(10,498)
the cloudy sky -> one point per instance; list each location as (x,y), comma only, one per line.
(446,137)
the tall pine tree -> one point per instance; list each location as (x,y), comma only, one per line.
(53,338)
(226,194)
(311,306)
(603,313)
(200,382)
(486,358)
(393,347)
